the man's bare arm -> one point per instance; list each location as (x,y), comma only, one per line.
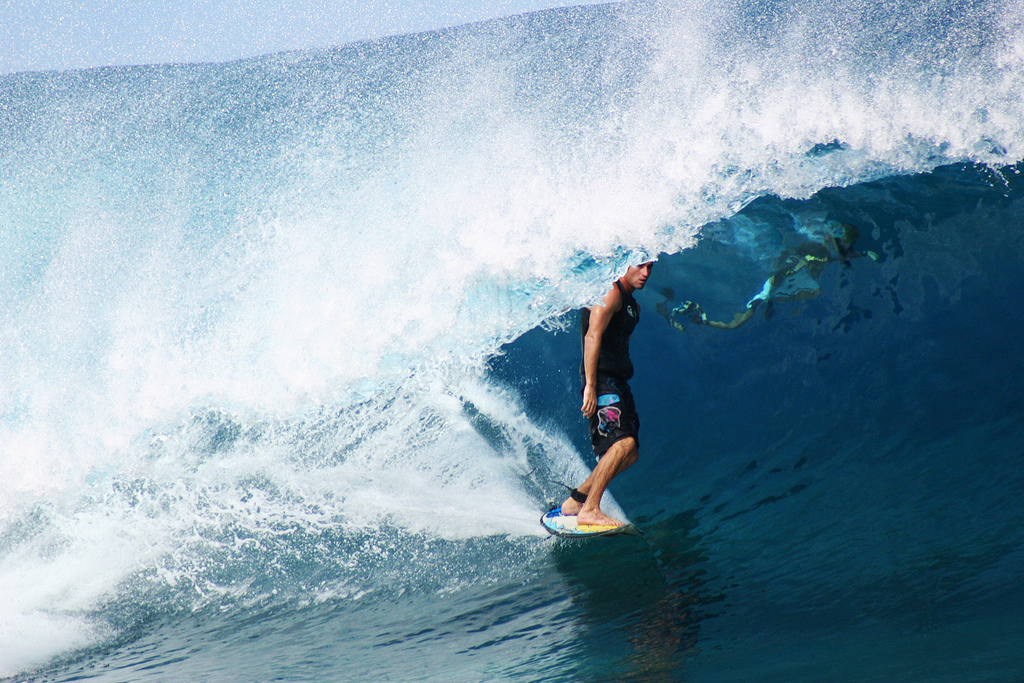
(600,317)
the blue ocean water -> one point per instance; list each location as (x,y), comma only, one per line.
(290,358)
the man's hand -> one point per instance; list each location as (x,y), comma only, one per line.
(589,401)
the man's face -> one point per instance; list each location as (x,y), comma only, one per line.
(637,276)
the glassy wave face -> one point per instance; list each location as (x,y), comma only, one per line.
(290,352)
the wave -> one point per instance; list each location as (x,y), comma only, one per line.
(255,314)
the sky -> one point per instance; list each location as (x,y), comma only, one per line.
(40,35)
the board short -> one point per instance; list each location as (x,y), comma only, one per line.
(616,417)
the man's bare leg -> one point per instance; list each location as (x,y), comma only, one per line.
(616,460)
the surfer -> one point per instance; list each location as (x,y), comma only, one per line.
(607,401)
(795,277)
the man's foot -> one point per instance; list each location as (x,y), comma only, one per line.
(571,508)
(595,518)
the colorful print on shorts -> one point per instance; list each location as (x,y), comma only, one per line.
(608,419)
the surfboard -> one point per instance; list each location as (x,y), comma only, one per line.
(565,526)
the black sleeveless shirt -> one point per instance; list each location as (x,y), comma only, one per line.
(614,357)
